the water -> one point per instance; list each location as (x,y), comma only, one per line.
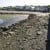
(14,19)
(1,21)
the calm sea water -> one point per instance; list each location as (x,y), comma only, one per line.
(14,19)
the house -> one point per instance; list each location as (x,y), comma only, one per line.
(32,8)
(27,8)
(41,8)
(19,7)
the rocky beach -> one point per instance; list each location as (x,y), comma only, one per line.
(28,34)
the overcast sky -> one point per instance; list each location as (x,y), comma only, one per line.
(23,2)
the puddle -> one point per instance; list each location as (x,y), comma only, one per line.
(12,20)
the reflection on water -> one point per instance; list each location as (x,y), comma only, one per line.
(1,21)
(13,20)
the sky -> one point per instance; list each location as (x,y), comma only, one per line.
(4,3)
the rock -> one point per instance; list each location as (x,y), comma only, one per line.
(28,27)
(8,43)
(11,33)
(4,28)
(15,30)
(39,33)
(5,34)
(38,49)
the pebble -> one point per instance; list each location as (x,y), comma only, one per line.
(8,43)
(38,49)
(11,32)
(39,33)
(5,34)
(15,30)
(28,26)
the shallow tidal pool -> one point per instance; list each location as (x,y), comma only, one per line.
(9,19)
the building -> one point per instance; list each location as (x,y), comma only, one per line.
(41,8)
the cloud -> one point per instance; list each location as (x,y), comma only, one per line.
(23,2)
